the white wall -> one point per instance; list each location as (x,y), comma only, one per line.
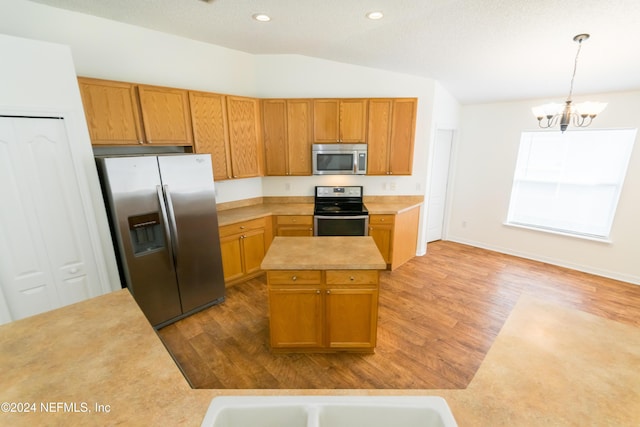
(112,50)
(486,155)
(38,79)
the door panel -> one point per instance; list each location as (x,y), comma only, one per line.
(351,317)
(303,305)
(439,183)
(43,245)
(191,206)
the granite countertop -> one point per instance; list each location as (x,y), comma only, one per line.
(323,253)
(567,368)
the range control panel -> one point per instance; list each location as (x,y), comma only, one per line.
(351,191)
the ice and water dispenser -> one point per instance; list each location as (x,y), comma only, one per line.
(146,233)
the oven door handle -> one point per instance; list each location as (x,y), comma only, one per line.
(341,216)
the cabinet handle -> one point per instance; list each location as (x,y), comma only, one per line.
(352,278)
(328,292)
(242,227)
(140,142)
(242,237)
(294,278)
(318,291)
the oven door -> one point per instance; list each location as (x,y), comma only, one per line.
(334,225)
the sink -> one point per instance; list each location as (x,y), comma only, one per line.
(328,411)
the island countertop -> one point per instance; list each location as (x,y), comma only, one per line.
(323,253)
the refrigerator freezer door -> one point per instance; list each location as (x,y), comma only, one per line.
(132,185)
(189,190)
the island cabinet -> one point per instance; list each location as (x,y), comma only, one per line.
(323,293)
(333,309)
(391,135)
(211,131)
(243,246)
(293,225)
(339,120)
(396,235)
(245,136)
(287,133)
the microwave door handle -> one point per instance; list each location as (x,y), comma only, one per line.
(355,162)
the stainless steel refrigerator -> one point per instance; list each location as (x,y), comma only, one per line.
(163,217)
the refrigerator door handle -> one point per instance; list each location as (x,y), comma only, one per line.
(165,221)
(172,218)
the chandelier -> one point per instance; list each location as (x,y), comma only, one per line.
(580,114)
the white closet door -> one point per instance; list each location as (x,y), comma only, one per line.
(44,243)
(439,183)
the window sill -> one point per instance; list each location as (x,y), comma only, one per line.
(561,233)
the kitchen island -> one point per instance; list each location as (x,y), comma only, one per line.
(323,293)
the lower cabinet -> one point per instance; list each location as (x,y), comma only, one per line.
(294,225)
(323,311)
(396,235)
(243,246)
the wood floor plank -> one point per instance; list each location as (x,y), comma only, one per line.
(438,316)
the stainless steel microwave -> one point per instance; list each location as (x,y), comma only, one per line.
(339,159)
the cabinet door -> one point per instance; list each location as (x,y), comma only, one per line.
(299,136)
(210,132)
(274,131)
(378,136)
(403,124)
(351,317)
(353,120)
(295,317)
(166,116)
(111,110)
(383,236)
(253,250)
(231,252)
(244,136)
(326,120)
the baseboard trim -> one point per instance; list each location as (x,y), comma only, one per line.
(537,257)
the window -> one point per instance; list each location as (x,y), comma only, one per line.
(570,183)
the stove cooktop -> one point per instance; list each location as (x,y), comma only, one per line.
(339,201)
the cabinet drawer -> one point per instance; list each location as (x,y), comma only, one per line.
(294,219)
(294,277)
(352,277)
(240,227)
(381,219)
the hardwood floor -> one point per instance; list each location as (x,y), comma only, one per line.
(439,315)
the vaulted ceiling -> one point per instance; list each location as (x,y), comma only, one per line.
(480,50)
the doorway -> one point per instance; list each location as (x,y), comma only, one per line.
(439,183)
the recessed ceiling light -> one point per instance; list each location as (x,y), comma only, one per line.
(262,17)
(375,15)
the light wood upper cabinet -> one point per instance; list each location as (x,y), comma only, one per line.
(166,115)
(391,134)
(244,136)
(111,110)
(340,120)
(210,131)
(274,131)
(287,136)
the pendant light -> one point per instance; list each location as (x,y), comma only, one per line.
(580,115)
